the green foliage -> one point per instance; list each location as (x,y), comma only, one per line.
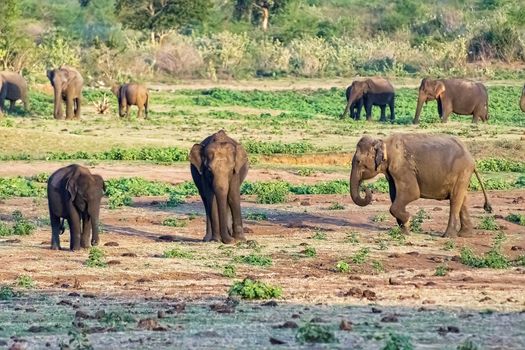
(229,271)
(255,260)
(180,192)
(117,320)
(379,217)
(396,234)
(256,216)
(351,237)
(381,186)
(21,226)
(305,172)
(417,221)
(177,252)
(516,218)
(398,342)
(315,333)
(327,187)
(336,206)
(268,148)
(488,223)
(378,266)
(252,289)
(360,256)
(7,293)
(319,235)
(468,345)
(161,155)
(78,340)
(500,165)
(493,258)
(441,270)
(96,258)
(310,252)
(174,222)
(21,187)
(342,266)
(270,192)
(449,245)
(25,281)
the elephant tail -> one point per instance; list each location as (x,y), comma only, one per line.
(487,206)
(62,227)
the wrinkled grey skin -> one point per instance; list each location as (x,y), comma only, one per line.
(13,87)
(67,84)
(74,194)
(219,165)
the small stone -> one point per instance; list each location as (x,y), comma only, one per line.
(16,240)
(394,255)
(394,281)
(271,303)
(390,319)
(456,258)
(515,247)
(129,255)
(82,314)
(437,259)
(73,294)
(345,325)
(143,280)
(288,324)
(113,262)
(375,310)
(428,301)
(482,300)
(166,238)
(100,314)
(89,295)
(161,314)
(318,320)
(37,329)
(413,253)
(430,284)
(467,279)
(354,292)
(437,209)
(296,316)
(111,244)
(247,230)
(275,341)
(370,295)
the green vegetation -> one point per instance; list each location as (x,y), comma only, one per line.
(351,237)
(379,217)
(378,266)
(315,333)
(488,223)
(174,222)
(342,266)
(21,226)
(229,271)
(468,345)
(21,187)
(336,206)
(267,148)
(441,270)
(255,260)
(398,342)
(500,165)
(449,245)
(494,258)
(151,154)
(417,221)
(7,293)
(397,235)
(177,252)
(25,281)
(267,192)
(256,216)
(360,256)
(251,289)
(319,235)
(117,320)
(305,172)
(96,258)
(516,218)
(310,252)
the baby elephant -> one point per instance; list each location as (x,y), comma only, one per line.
(74,194)
(131,94)
(418,166)
(218,167)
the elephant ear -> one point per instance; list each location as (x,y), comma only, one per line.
(195,157)
(72,186)
(381,156)
(100,182)
(51,75)
(241,158)
(115,89)
(440,89)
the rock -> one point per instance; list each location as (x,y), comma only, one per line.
(318,320)
(305,203)
(151,324)
(30,309)
(271,303)
(3,342)
(456,258)
(515,247)
(99,314)
(390,319)
(19,345)
(89,295)
(430,284)
(37,329)
(247,230)
(421,275)
(437,209)
(65,285)
(296,316)
(275,341)
(394,255)
(345,325)
(354,292)
(82,314)
(111,244)
(413,253)
(222,308)
(427,301)
(288,324)
(437,259)
(113,262)
(375,310)
(394,281)
(370,295)
(143,280)
(449,329)
(482,300)
(467,279)
(16,240)
(130,255)
(355,278)
(161,314)
(73,294)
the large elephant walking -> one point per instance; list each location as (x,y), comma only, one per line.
(13,87)
(373,92)
(458,96)
(131,94)
(219,165)
(67,83)
(411,174)
(74,194)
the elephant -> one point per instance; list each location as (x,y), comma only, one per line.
(13,87)
(355,108)
(374,92)
(219,165)
(131,94)
(522,99)
(67,83)
(74,194)
(418,166)
(458,96)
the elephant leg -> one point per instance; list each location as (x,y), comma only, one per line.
(464,218)
(85,237)
(234,201)
(457,198)
(55,231)
(69,107)
(209,230)
(140,112)
(392,193)
(404,195)
(446,110)
(215,223)
(358,112)
(368,109)
(77,108)
(12,106)
(392,112)
(74,227)
(383,113)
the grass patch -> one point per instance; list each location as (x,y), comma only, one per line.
(319,235)
(229,271)
(493,258)
(268,148)
(256,216)
(96,258)
(441,270)
(7,293)
(396,234)
(342,266)
(314,333)
(336,206)
(398,342)
(488,223)
(516,218)
(25,281)
(270,192)
(21,226)
(254,259)
(379,217)
(310,252)
(352,237)
(174,222)
(360,256)
(449,245)
(252,289)
(176,253)
(417,221)
(378,266)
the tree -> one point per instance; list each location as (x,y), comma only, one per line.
(161,16)
(258,10)
(9,12)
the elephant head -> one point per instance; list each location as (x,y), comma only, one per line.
(219,160)
(369,160)
(429,90)
(86,191)
(522,100)
(357,90)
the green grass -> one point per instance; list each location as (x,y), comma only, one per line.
(25,281)
(319,235)
(7,293)
(352,237)
(310,252)
(174,222)
(315,333)
(360,256)
(336,206)
(441,270)
(21,226)
(449,245)
(256,216)
(176,252)
(254,260)
(488,223)
(96,258)
(417,221)
(229,271)
(378,266)
(516,218)
(268,148)
(253,289)
(270,192)
(397,235)
(379,217)
(494,258)
(398,342)
(342,266)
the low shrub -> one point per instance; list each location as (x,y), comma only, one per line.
(270,192)
(398,342)
(516,218)
(177,253)
(342,266)
(314,333)
(96,258)
(254,259)
(252,289)
(25,281)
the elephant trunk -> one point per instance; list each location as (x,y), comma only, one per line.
(58,102)
(355,184)
(522,101)
(347,109)
(94,226)
(420,101)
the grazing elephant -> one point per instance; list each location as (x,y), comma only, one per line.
(454,96)
(74,194)
(373,92)
(67,83)
(131,94)
(219,165)
(418,166)
(13,87)
(355,108)
(522,100)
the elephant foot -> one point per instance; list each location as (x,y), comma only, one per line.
(207,239)
(450,234)
(55,247)
(240,238)
(228,240)
(465,232)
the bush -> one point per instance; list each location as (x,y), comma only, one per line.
(314,333)
(494,258)
(516,218)
(7,293)
(21,227)
(270,192)
(488,223)
(251,289)
(342,266)
(176,253)
(398,342)
(174,222)
(255,260)
(500,41)
(96,258)
(25,281)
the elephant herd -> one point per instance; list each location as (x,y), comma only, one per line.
(458,96)
(67,84)
(219,165)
